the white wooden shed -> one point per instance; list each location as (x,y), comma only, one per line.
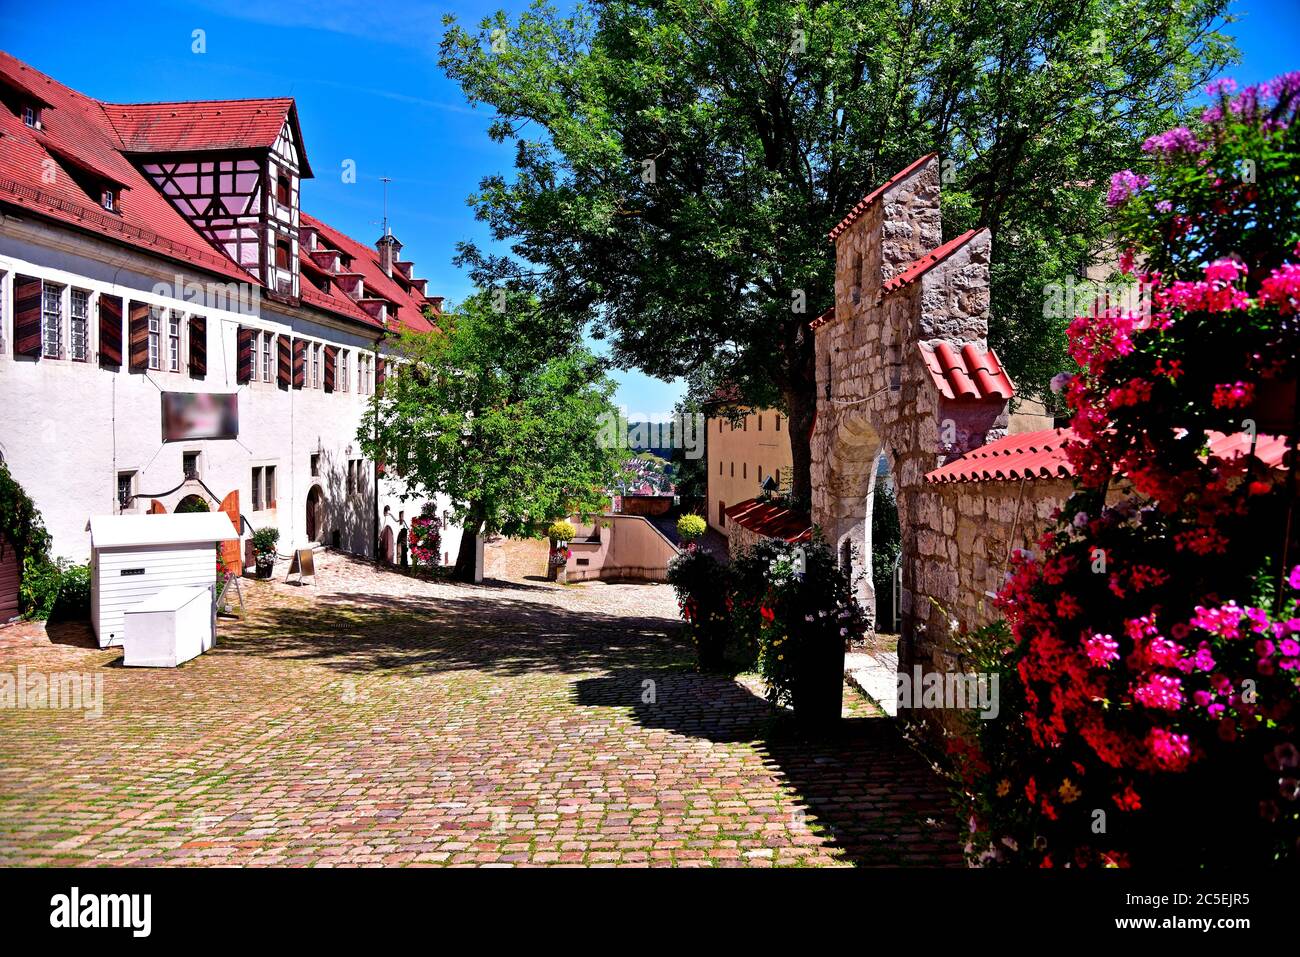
(134,557)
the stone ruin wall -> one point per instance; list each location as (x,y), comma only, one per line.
(876,396)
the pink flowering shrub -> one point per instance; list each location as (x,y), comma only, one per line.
(425,539)
(1153,653)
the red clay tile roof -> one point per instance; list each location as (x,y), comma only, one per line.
(824,318)
(927,262)
(205,125)
(408,310)
(856,212)
(972,373)
(1041,455)
(771,520)
(82,132)
(1030,455)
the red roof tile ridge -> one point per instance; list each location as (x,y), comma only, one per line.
(862,205)
(931,259)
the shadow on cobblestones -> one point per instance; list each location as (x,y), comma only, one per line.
(859,785)
(375,633)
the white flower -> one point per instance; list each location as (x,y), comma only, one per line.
(843,632)
(1081,520)
(1061,381)
(809,618)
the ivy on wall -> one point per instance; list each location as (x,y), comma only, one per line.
(21,526)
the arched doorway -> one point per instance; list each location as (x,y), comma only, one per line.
(315,514)
(192,503)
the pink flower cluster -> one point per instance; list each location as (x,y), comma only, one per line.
(1178,140)
(1124,185)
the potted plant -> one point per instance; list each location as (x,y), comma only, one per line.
(560,533)
(690,528)
(264,542)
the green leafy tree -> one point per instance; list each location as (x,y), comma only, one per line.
(678,164)
(502,412)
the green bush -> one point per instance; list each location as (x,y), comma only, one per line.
(691,527)
(57,590)
(192,503)
(73,601)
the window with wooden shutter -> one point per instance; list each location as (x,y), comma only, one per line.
(244,355)
(198,346)
(331,354)
(139,337)
(27,316)
(110,331)
(283,371)
(299,363)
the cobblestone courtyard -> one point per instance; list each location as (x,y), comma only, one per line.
(382,720)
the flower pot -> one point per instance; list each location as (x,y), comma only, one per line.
(819,693)
(264,568)
(1274,408)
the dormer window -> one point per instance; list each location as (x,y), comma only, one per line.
(30,117)
(107,201)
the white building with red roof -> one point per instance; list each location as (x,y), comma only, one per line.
(173,324)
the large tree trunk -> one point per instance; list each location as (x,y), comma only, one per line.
(802,406)
(465,558)
(800,394)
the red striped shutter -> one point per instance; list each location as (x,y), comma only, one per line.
(244,356)
(110,331)
(299,363)
(27,316)
(380,369)
(331,354)
(139,337)
(198,346)
(283,372)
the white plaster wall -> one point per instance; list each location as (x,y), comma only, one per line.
(67,428)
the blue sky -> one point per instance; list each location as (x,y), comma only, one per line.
(365,75)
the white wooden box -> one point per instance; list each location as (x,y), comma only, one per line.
(172,627)
(134,557)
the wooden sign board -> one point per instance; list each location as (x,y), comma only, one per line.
(302,564)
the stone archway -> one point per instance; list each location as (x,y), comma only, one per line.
(193,503)
(315,526)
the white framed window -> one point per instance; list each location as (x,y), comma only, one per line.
(343,369)
(190,464)
(315,367)
(266,356)
(79,325)
(268,486)
(174,341)
(51,321)
(155,337)
(106,200)
(29,116)
(257,488)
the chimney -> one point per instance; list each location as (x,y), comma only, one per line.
(389,249)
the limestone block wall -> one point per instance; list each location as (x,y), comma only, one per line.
(964,546)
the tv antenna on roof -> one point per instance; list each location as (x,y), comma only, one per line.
(385,180)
